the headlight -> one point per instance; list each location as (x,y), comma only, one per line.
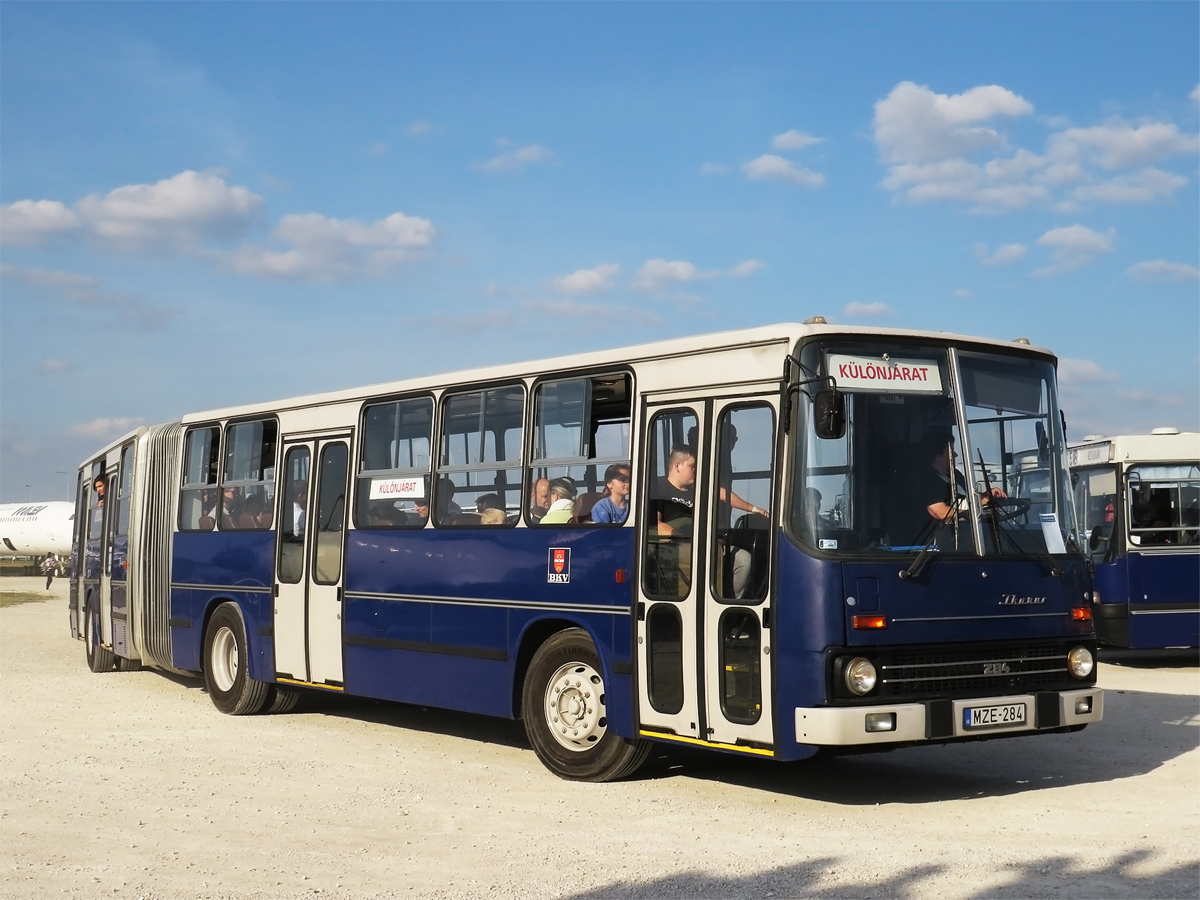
(1079,662)
(860,676)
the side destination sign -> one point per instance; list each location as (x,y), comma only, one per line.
(397,488)
(896,376)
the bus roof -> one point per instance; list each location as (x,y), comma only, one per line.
(1167,445)
(784,334)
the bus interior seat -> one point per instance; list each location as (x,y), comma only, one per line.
(583,506)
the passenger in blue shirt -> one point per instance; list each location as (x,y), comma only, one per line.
(613,507)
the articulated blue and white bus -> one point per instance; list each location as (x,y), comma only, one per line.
(763,542)
(1138,500)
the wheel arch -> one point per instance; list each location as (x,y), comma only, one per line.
(535,633)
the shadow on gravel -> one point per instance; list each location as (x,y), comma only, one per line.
(1150,659)
(1053,876)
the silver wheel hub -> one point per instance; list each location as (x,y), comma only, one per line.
(224,661)
(574,708)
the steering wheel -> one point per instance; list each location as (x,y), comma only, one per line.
(1004,508)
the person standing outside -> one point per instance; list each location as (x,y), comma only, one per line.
(613,508)
(50,568)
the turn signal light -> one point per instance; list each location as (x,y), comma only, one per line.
(865,622)
(1081,614)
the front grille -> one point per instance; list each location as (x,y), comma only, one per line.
(966,670)
(1002,670)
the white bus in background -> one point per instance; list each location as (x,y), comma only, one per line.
(1138,500)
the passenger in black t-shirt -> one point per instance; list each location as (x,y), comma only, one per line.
(673,497)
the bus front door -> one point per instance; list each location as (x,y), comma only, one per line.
(704,592)
(309,562)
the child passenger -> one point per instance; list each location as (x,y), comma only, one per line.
(613,507)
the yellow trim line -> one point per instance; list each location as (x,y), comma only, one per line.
(663,736)
(328,687)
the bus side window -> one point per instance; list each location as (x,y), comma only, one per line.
(393,480)
(746,441)
(248,479)
(479,466)
(198,494)
(580,451)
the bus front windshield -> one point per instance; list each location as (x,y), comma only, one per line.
(904,477)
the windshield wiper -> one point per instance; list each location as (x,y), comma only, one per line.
(927,551)
(993,513)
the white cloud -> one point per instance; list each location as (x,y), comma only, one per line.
(868,310)
(769,167)
(1073,246)
(963,294)
(794,140)
(1195,94)
(513,160)
(744,268)
(1161,270)
(34,221)
(656,274)
(324,249)
(419,128)
(1118,145)
(1002,256)
(103,428)
(55,366)
(714,169)
(915,125)
(378,150)
(587,281)
(86,292)
(1073,373)
(929,142)
(177,211)
(1141,187)
(596,314)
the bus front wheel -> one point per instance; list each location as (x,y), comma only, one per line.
(566,715)
(226,665)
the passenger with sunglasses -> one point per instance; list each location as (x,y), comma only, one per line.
(613,507)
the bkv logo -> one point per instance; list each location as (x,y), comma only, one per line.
(558,566)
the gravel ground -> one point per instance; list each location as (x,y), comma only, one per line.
(132,785)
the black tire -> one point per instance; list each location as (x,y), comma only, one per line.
(226,665)
(564,710)
(280,699)
(99,659)
(128,665)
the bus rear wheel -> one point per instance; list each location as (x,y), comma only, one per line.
(566,715)
(226,665)
(99,659)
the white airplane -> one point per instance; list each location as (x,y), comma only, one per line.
(35,529)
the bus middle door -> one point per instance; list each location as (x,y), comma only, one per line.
(309,562)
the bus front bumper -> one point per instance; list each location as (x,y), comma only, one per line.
(940,720)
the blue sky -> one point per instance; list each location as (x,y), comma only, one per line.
(207,204)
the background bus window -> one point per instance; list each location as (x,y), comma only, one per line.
(479,471)
(1096,501)
(580,433)
(198,496)
(248,487)
(393,481)
(667,572)
(746,444)
(1164,505)
(293,515)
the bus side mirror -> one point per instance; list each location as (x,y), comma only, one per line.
(829,414)
(1096,538)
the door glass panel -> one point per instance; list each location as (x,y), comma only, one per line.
(664,655)
(292,515)
(331,513)
(1096,503)
(745,442)
(671,474)
(741,666)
